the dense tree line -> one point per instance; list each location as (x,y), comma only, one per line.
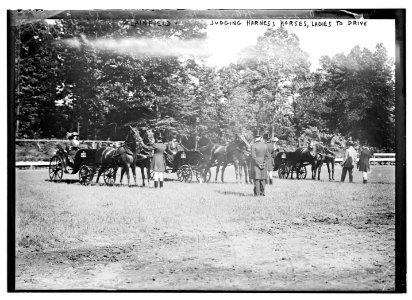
(63,82)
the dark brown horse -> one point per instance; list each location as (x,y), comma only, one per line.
(144,154)
(220,156)
(237,154)
(329,160)
(313,155)
(122,157)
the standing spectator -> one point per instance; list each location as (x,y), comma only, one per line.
(158,161)
(259,155)
(348,162)
(363,163)
(269,160)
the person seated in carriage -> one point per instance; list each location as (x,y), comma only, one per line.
(172,148)
(70,148)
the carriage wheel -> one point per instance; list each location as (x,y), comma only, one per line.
(85,175)
(283,171)
(186,173)
(301,174)
(56,169)
(109,176)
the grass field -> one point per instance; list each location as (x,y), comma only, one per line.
(304,235)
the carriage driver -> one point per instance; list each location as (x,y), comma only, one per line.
(71,147)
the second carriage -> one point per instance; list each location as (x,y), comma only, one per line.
(188,164)
(286,168)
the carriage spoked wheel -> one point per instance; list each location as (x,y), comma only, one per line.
(85,175)
(109,176)
(56,169)
(185,173)
(283,171)
(301,174)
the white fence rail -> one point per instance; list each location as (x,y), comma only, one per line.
(377,159)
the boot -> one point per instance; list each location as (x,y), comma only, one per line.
(270,181)
(365,181)
(155,184)
(161,184)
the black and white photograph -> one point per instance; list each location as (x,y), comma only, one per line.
(223,150)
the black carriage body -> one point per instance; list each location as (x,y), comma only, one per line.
(84,157)
(190,158)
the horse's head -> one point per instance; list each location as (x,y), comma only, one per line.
(133,137)
(241,142)
(147,136)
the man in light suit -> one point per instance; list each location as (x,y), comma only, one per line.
(349,160)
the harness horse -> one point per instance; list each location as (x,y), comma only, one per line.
(233,153)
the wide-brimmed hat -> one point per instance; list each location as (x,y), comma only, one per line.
(266,136)
(174,134)
(275,139)
(75,134)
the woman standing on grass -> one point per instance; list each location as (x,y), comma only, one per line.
(363,163)
(158,161)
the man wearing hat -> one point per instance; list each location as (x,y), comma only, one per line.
(259,155)
(363,163)
(348,162)
(158,162)
(269,160)
(70,147)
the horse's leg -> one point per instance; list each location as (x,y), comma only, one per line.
(148,172)
(223,171)
(217,170)
(127,166)
(236,165)
(133,166)
(333,169)
(319,169)
(327,165)
(121,175)
(246,172)
(102,169)
(143,177)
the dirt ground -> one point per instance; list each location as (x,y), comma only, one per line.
(293,257)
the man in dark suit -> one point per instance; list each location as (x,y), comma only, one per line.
(363,163)
(259,155)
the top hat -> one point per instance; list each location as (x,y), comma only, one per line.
(158,135)
(256,133)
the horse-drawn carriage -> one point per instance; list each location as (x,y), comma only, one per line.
(84,164)
(188,164)
(288,167)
